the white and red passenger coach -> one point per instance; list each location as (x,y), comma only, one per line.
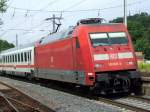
(92,54)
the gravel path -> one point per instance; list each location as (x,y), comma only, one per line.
(61,101)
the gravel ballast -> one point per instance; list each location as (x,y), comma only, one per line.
(61,101)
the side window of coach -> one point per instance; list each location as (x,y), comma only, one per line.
(16,58)
(25,56)
(13,57)
(21,57)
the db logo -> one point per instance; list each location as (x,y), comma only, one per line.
(113,56)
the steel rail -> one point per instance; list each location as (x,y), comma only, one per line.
(24,104)
(140,98)
(17,90)
(9,103)
(123,105)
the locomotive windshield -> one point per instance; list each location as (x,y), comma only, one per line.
(103,39)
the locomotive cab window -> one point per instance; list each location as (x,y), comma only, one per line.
(118,38)
(77,43)
(99,39)
(110,38)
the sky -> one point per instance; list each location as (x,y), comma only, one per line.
(26,18)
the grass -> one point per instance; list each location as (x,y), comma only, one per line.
(144,67)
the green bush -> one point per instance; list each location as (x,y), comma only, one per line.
(144,67)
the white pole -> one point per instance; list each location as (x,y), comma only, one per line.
(16,40)
(125,12)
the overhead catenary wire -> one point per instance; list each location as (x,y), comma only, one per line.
(74,5)
(82,10)
(67,10)
(10,4)
(22,29)
(28,10)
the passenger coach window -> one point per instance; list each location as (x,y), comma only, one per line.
(30,56)
(25,57)
(7,59)
(15,57)
(18,57)
(10,58)
(21,57)
(4,59)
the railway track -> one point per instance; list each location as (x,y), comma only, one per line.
(133,103)
(13,100)
(141,98)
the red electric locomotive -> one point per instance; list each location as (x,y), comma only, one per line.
(100,56)
(92,54)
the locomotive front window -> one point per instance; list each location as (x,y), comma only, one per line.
(118,38)
(110,38)
(99,39)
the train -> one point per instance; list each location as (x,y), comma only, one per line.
(92,54)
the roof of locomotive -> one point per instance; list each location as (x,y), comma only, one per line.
(102,24)
(66,33)
(44,40)
(57,36)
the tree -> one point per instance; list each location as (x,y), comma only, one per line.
(5,45)
(3,6)
(139,28)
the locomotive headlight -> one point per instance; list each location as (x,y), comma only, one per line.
(90,74)
(98,65)
(130,63)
